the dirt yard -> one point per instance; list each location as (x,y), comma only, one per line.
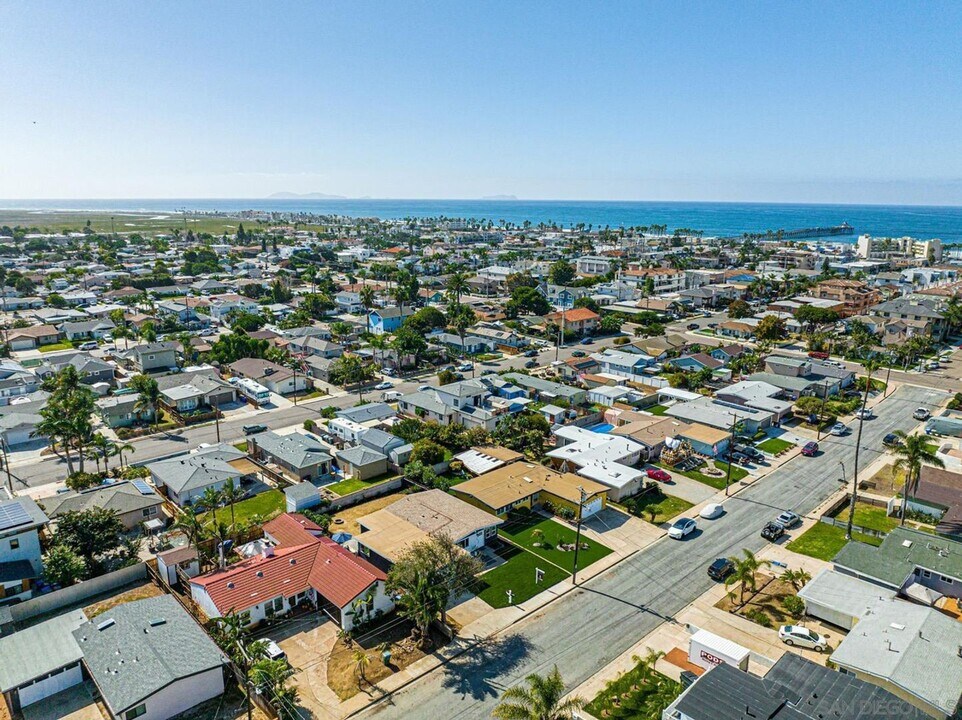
(140,592)
(767,601)
(887,481)
(349,516)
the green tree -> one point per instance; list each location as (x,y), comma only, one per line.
(63,566)
(812,316)
(587,302)
(350,370)
(248,322)
(427,452)
(524,432)
(148,333)
(91,533)
(745,572)
(610,324)
(408,342)
(426,319)
(913,452)
(460,318)
(65,419)
(457,285)
(148,395)
(561,272)
(541,698)
(236,345)
(527,301)
(739,309)
(771,329)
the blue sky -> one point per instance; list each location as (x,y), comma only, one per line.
(807,102)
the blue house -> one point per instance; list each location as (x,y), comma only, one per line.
(388,320)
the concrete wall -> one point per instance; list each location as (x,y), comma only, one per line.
(366,494)
(75,593)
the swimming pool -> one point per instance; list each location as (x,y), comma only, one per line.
(601,427)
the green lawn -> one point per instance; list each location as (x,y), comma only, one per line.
(823,541)
(775,446)
(657,409)
(633,695)
(871,517)
(346,487)
(520,528)
(242,445)
(56,346)
(716,482)
(262,505)
(664,506)
(517,575)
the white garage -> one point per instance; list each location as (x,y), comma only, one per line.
(593,506)
(841,600)
(41,660)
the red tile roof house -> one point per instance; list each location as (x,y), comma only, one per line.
(301,568)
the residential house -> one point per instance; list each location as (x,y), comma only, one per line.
(651,433)
(471,345)
(695,362)
(939,494)
(133,502)
(150,659)
(527,485)
(21,521)
(16,381)
(794,688)
(90,369)
(595,265)
(547,390)
(606,459)
(388,533)
(370,413)
(623,364)
(388,320)
(577,320)
(301,570)
(397,450)
(757,395)
(727,353)
(361,462)
(204,384)
(721,415)
(184,479)
(276,378)
(665,279)
(150,357)
(298,455)
(924,310)
(222,307)
(19,421)
(89,330)
(479,460)
(349,302)
(208,286)
(315,347)
(31,338)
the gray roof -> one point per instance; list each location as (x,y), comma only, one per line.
(296,449)
(900,553)
(21,513)
(381,441)
(366,413)
(844,593)
(794,689)
(145,646)
(121,497)
(39,649)
(197,470)
(914,647)
(543,386)
(785,382)
(360,456)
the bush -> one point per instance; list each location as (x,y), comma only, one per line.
(329,412)
(124,433)
(82,480)
(427,452)
(794,605)
(310,425)
(621,340)
(757,616)
(566,513)
(132,472)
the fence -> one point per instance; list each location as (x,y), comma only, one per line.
(840,508)
(50,602)
(346,501)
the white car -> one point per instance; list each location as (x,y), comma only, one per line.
(802,637)
(424,388)
(465,367)
(273,651)
(865,414)
(383,386)
(712,511)
(681,527)
(838,429)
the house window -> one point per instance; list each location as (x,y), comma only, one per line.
(926,574)
(245,617)
(136,712)
(946,580)
(15,543)
(150,511)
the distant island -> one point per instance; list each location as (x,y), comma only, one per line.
(500,197)
(304,196)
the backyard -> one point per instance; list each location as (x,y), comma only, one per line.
(346,487)
(775,446)
(657,409)
(823,541)
(261,507)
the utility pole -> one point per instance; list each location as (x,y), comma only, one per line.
(888,374)
(581,507)
(294,368)
(821,411)
(731,449)
(216,419)
(6,464)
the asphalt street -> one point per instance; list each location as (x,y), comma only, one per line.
(589,627)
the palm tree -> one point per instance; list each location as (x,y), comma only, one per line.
(913,452)
(745,571)
(361,661)
(367,296)
(122,448)
(871,365)
(189,523)
(230,494)
(541,699)
(209,499)
(796,578)
(457,286)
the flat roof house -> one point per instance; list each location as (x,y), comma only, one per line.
(149,658)
(607,459)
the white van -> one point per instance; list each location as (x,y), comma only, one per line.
(391,395)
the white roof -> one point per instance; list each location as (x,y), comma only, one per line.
(723,645)
(477,462)
(614,475)
(844,593)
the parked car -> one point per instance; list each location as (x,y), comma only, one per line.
(752,453)
(810,449)
(864,414)
(531,353)
(254,429)
(819,355)
(89,345)
(578,353)
(423,388)
(712,511)
(891,440)
(465,366)
(838,429)
(383,386)
(738,458)
(772,531)
(586,341)
(658,474)
(681,528)
(721,569)
(531,364)
(692,326)
(921,414)
(788,519)
(803,637)
(932,365)
(207,332)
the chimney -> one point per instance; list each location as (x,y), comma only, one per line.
(268,551)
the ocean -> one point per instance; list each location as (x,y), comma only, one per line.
(720,219)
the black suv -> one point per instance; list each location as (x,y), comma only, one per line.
(254,429)
(721,569)
(772,531)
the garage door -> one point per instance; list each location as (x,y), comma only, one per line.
(50,686)
(590,508)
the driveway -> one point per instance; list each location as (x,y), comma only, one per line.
(308,642)
(76,703)
(623,533)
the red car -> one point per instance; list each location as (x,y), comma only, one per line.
(810,449)
(819,355)
(658,474)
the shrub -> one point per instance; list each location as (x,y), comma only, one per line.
(621,340)
(794,605)
(759,617)
(124,433)
(427,452)
(310,425)
(82,480)
(566,513)
(132,472)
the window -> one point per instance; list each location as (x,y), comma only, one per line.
(135,712)
(926,574)
(946,580)
(15,543)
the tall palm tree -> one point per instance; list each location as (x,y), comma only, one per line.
(796,578)
(457,286)
(368,297)
(913,452)
(230,494)
(871,365)
(148,398)
(540,699)
(746,568)
(209,499)
(122,448)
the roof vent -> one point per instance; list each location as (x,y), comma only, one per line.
(109,622)
(906,543)
(293,561)
(230,586)
(156,622)
(259,573)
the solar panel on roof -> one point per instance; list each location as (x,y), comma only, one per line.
(13,515)
(144,488)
